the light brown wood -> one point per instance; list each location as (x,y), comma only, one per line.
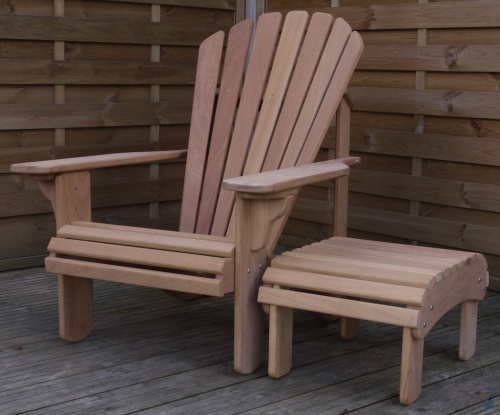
(300,85)
(75,295)
(313,104)
(468,329)
(350,277)
(157,239)
(288,48)
(390,248)
(340,306)
(94,162)
(162,232)
(236,257)
(345,286)
(203,105)
(439,265)
(249,322)
(148,278)
(229,91)
(349,327)
(263,48)
(343,133)
(137,255)
(290,178)
(280,341)
(466,284)
(411,277)
(411,367)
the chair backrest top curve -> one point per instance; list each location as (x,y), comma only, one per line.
(270,108)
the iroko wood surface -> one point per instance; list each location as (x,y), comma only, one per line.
(138,361)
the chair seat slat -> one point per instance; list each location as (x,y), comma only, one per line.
(384,257)
(423,251)
(137,255)
(153,231)
(352,269)
(147,240)
(345,286)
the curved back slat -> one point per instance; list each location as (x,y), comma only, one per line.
(279,79)
(330,58)
(336,89)
(263,48)
(229,91)
(209,59)
(311,51)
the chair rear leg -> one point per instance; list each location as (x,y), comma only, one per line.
(411,367)
(280,340)
(349,328)
(468,329)
(76,315)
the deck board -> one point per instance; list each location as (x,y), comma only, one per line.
(153,354)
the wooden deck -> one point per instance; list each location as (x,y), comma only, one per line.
(153,354)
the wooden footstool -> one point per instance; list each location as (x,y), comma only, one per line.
(405,285)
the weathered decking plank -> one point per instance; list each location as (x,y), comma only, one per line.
(149,355)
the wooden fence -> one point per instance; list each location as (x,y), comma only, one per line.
(91,77)
(426,125)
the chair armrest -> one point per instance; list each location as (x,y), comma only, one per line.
(94,162)
(285,179)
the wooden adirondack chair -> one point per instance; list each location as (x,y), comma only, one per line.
(272,112)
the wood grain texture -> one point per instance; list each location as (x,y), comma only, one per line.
(138,343)
(434,65)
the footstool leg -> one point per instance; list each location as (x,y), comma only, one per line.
(411,367)
(349,328)
(280,340)
(468,329)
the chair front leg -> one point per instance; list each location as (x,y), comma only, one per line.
(69,194)
(255,216)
